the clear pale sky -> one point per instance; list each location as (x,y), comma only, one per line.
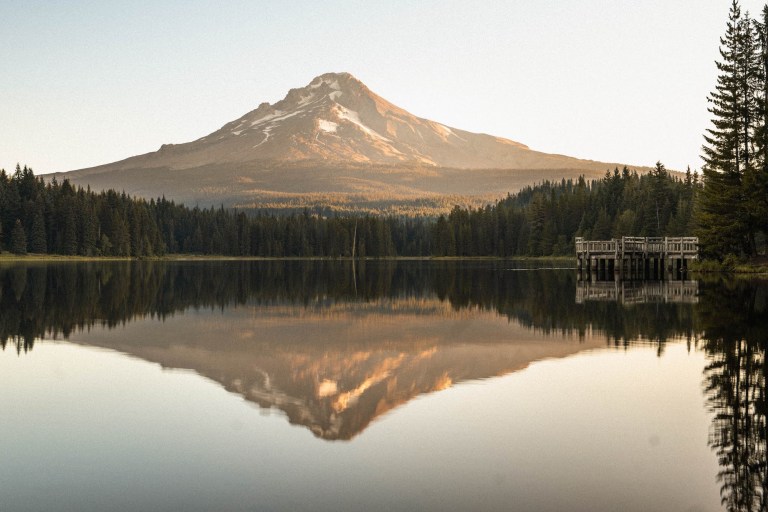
(90,82)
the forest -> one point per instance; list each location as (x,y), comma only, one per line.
(43,217)
(732,212)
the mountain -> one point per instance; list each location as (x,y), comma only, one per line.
(337,144)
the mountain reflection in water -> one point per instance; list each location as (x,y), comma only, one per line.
(335,350)
(331,351)
(336,369)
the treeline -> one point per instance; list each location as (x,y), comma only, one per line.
(733,209)
(57,218)
(544,219)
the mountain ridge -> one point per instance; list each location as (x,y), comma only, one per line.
(338,129)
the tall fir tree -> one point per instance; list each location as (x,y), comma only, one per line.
(759,188)
(37,238)
(18,239)
(723,212)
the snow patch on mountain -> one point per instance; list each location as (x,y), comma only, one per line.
(354,118)
(266,131)
(266,118)
(327,126)
(276,117)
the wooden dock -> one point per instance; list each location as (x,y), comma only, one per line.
(637,257)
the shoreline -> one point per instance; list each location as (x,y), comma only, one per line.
(708,268)
(8,257)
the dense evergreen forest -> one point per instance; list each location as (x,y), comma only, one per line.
(543,220)
(57,218)
(732,213)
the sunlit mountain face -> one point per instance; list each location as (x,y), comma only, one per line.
(336,117)
(335,143)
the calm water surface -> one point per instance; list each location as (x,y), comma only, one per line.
(390,386)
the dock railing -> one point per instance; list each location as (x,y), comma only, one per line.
(686,245)
(637,256)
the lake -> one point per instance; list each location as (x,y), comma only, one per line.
(384,385)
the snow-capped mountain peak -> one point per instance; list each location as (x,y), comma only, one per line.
(335,138)
(336,116)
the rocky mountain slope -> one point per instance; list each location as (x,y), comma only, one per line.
(337,144)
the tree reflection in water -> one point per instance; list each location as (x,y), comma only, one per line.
(733,317)
(54,300)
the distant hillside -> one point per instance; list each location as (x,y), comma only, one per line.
(337,144)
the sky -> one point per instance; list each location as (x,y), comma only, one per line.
(86,83)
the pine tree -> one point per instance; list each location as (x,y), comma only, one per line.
(723,218)
(89,230)
(602,227)
(758,197)
(37,237)
(752,85)
(18,239)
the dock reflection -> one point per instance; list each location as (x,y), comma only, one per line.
(638,292)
